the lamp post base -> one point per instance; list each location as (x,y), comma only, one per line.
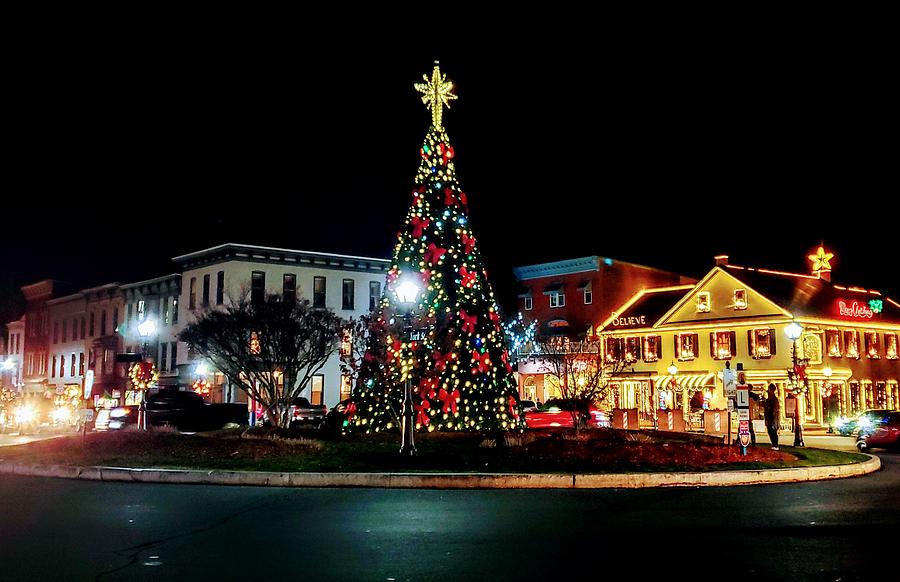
(798,434)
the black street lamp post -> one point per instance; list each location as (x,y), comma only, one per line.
(407,294)
(146,329)
(794,331)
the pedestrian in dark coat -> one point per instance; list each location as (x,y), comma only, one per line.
(773,415)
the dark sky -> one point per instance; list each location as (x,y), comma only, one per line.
(657,150)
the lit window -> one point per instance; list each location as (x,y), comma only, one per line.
(557,299)
(703,302)
(528,304)
(652,348)
(740,299)
(255,348)
(762,343)
(613,349)
(632,349)
(872,350)
(891,351)
(851,342)
(833,339)
(346,343)
(722,344)
(345,387)
(686,346)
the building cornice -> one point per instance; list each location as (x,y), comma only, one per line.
(567,267)
(271,255)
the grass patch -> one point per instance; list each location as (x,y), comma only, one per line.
(593,451)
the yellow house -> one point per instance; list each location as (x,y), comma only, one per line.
(676,341)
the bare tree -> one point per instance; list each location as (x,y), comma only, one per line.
(580,369)
(270,349)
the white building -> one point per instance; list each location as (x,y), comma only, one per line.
(11,370)
(350,286)
(157,300)
(68,341)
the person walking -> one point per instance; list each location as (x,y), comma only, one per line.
(773,415)
(754,398)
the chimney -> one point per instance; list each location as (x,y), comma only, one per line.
(721,260)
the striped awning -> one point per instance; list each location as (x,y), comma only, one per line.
(686,381)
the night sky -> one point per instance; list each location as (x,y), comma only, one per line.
(657,151)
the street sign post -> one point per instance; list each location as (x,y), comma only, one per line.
(742,403)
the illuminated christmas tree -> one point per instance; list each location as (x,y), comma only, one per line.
(459,368)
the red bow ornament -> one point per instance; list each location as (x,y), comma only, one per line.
(449,198)
(450,399)
(513,409)
(480,362)
(505,358)
(419,224)
(434,253)
(440,361)
(468,279)
(468,321)
(422,417)
(350,411)
(426,388)
(469,242)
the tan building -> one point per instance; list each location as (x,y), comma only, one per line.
(849,343)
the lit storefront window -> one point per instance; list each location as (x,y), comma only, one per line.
(632,349)
(613,349)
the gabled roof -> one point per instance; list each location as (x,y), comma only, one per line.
(645,307)
(806,296)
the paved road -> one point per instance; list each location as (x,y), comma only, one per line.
(81,530)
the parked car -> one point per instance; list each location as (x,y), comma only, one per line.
(185,411)
(885,433)
(303,413)
(557,412)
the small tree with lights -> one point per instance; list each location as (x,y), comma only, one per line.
(456,362)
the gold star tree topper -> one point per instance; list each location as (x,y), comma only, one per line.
(821,260)
(436,93)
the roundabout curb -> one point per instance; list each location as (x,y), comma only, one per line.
(449,480)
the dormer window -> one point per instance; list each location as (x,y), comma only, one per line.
(740,299)
(703,303)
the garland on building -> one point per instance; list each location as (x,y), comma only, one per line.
(458,364)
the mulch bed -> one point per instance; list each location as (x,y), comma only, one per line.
(600,450)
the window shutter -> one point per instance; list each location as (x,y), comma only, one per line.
(640,349)
(658,348)
(733,347)
(750,343)
(677,351)
(712,345)
(771,341)
(696,338)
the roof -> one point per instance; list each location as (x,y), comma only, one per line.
(812,297)
(269,250)
(646,307)
(578,265)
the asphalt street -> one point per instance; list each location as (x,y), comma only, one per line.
(56,529)
(8,440)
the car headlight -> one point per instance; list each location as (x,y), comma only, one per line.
(25,414)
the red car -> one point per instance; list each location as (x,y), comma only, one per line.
(885,434)
(558,413)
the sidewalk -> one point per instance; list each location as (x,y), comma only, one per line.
(450,480)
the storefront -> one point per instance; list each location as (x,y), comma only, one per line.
(833,347)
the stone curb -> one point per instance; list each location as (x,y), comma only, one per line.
(449,480)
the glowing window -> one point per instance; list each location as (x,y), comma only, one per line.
(740,299)
(703,304)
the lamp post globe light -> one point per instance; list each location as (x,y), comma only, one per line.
(146,329)
(407,295)
(794,331)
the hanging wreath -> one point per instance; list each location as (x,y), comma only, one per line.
(201,387)
(143,375)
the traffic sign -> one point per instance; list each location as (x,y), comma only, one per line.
(730,384)
(744,432)
(743,397)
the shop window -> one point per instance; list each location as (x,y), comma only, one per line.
(881,395)
(613,349)
(703,302)
(851,344)
(761,343)
(686,346)
(833,340)
(721,345)
(632,349)
(652,348)
(891,350)
(872,348)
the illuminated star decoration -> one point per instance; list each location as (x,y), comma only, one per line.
(820,260)
(436,94)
